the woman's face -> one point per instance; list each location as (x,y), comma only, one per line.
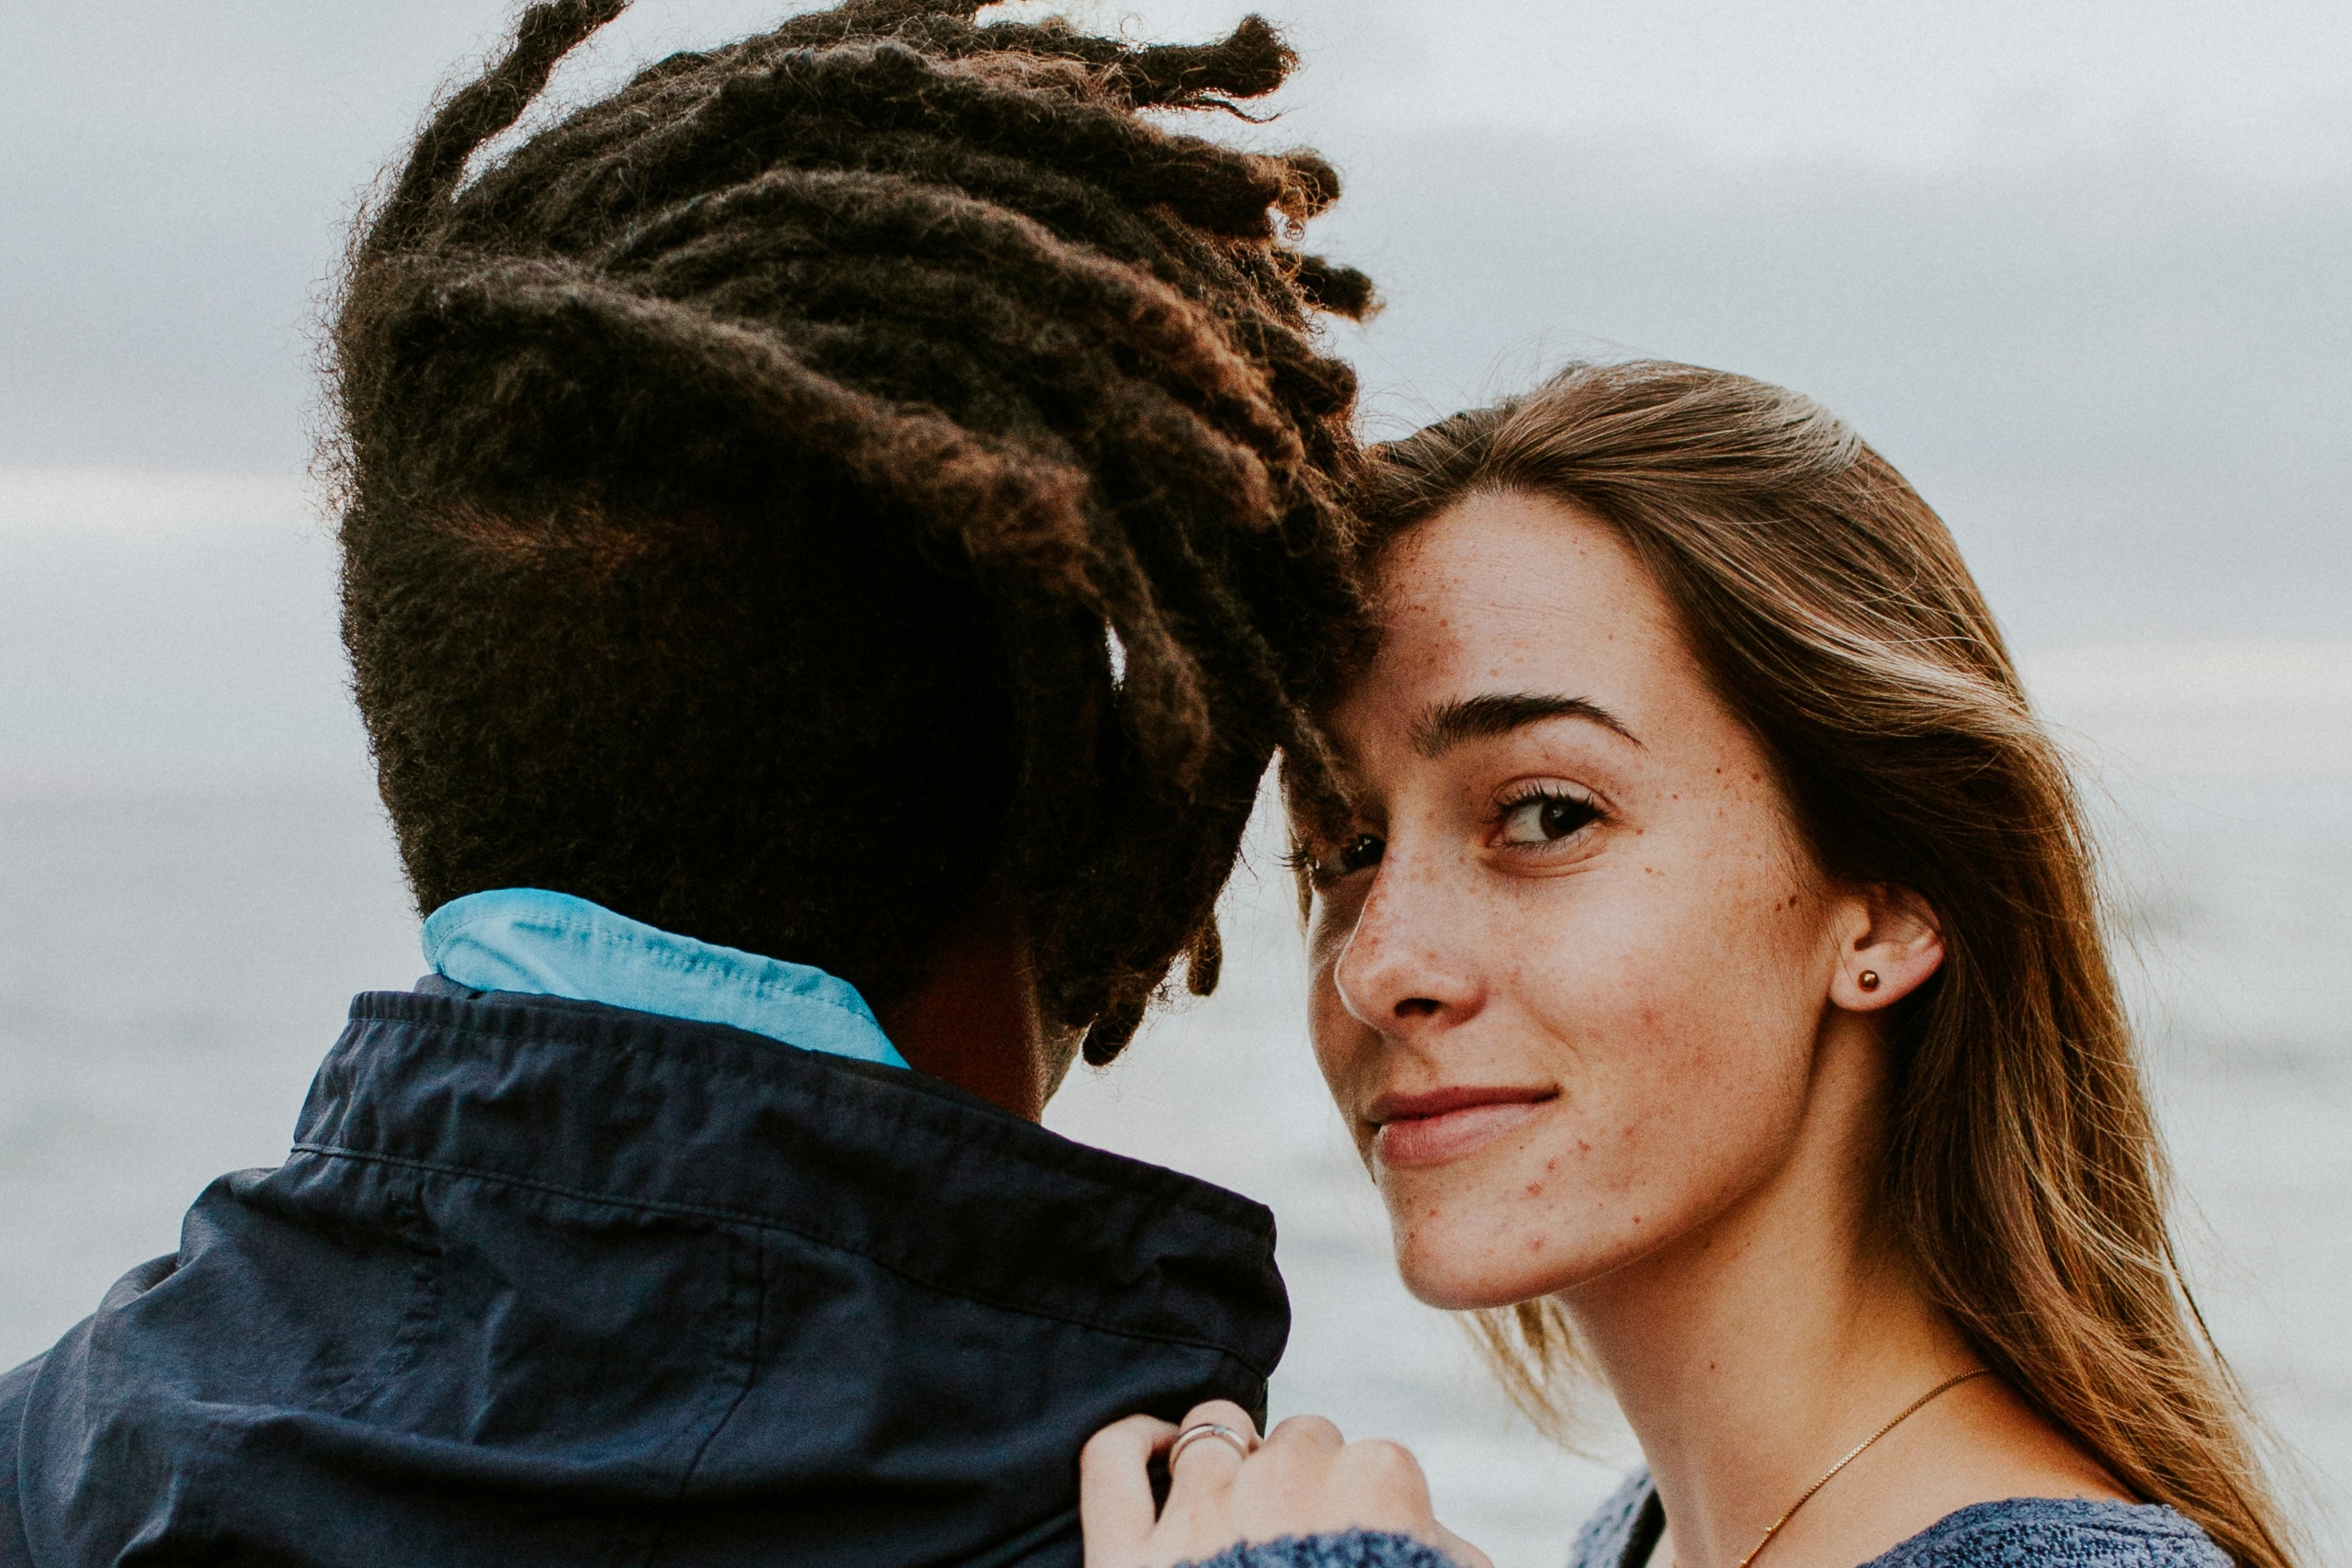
(1571,961)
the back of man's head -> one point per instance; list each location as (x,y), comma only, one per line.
(843,481)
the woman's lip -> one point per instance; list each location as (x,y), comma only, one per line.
(1447,1124)
(1459,1097)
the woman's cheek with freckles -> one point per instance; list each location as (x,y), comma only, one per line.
(1532,1216)
(1551,1213)
(1664,1116)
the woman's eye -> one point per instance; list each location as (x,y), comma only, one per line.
(1547,818)
(1357,854)
(1335,860)
(1353,855)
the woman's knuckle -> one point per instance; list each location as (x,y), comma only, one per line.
(1385,1463)
(1100,1449)
(1316,1431)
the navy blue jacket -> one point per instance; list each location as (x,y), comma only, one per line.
(552,1282)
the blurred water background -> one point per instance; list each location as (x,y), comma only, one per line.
(2082,272)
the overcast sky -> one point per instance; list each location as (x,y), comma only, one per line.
(2081,270)
(2102,205)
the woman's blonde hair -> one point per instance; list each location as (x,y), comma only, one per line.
(1832,611)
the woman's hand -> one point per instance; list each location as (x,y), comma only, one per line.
(1304,1479)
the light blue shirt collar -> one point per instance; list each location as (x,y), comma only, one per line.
(551,944)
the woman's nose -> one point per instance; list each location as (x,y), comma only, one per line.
(1405,966)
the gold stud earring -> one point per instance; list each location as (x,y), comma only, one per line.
(1867,979)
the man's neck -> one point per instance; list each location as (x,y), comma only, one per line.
(973,1021)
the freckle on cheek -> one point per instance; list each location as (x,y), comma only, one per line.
(1535,1243)
(1535,1189)
(1554,1163)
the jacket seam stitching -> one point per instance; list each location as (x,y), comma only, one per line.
(750,1374)
(762,1222)
(372,1375)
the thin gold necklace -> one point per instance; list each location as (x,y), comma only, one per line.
(1856,1452)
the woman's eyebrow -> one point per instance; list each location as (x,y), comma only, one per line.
(1483,717)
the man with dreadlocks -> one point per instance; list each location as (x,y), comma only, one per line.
(833,534)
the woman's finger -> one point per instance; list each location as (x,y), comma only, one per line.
(1306,1479)
(1229,1451)
(1116,1509)
(1378,1484)
(1220,1412)
(1384,1478)
(1286,1486)
(1199,1510)
(1315,1433)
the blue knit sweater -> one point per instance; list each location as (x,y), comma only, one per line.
(1356,1548)
(2045,1532)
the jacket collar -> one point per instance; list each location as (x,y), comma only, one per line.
(697,1119)
(532,941)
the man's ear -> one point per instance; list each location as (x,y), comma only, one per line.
(1893,944)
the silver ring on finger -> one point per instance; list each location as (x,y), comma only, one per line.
(1243,1443)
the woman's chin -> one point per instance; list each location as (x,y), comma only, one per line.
(1485,1273)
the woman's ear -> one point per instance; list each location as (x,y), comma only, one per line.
(1893,945)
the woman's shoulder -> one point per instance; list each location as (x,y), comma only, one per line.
(2057,1532)
(2047,1532)
(1621,1531)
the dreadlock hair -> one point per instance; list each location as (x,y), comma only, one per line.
(846,482)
